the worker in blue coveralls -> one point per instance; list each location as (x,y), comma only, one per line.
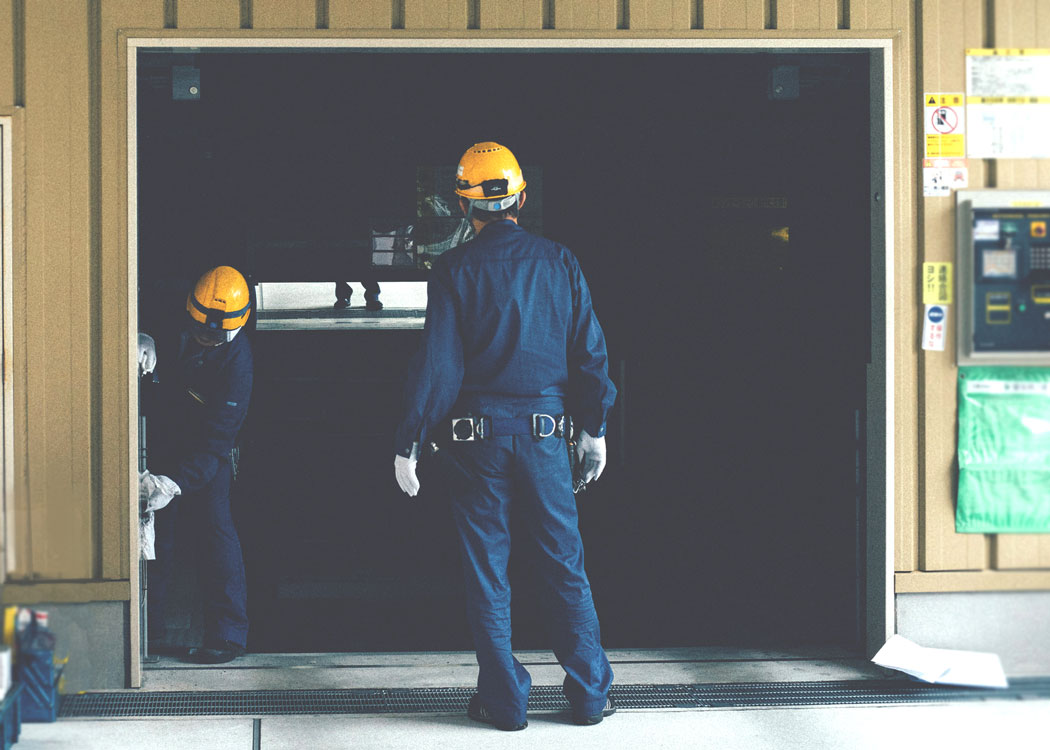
(510,347)
(204,381)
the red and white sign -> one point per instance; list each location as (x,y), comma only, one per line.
(933,323)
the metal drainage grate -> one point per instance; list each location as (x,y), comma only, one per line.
(545,698)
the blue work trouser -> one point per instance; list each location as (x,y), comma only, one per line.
(485,477)
(205,515)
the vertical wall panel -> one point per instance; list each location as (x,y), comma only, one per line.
(113,358)
(7,53)
(511,14)
(735,14)
(1016,551)
(1015,21)
(1021,24)
(949,28)
(284,14)
(209,14)
(58,272)
(585,15)
(360,14)
(807,14)
(436,14)
(871,14)
(661,15)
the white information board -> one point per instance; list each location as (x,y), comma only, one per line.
(1008,103)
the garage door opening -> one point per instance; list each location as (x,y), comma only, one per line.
(720,205)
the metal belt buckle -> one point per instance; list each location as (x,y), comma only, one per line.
(537,425)
(464,430)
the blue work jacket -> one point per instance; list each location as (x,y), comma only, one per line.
(508,316)
(197,407)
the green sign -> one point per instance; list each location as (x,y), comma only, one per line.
(1004,450)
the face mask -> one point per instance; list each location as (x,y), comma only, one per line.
(212,336)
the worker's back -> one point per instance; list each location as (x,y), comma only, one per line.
(516,296)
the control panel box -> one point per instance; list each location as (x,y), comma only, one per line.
(1003,276)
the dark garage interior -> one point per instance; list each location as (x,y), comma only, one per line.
(719,206)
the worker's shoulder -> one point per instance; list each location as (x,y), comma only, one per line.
(508,242)
(537,245)
(239,351)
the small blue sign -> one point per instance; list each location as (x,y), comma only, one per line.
(936,314)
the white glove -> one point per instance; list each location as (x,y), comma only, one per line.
(405,471)
(591,452)
(147,536)
(156,491)
(147,354)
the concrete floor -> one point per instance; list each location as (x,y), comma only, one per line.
(993,723)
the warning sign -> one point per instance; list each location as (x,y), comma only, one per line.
(942,176)
(933,328)
(944,125)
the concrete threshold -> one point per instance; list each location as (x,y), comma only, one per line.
(459,669)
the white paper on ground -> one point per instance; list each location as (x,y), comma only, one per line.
(941,665)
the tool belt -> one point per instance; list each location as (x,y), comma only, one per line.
(470,428)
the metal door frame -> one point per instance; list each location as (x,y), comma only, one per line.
(879,522)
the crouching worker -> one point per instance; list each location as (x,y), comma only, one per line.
(195,411)
(511,345)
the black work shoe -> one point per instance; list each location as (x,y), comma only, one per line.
(478,712)
(373,303)
(221,653)
(342,303)
(586,721)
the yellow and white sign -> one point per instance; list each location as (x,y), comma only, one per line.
(936,283)
(1008,103)
(945,128)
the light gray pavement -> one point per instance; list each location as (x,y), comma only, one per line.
(984,726)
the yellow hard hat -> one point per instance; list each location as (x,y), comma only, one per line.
(220,301)
(489,177)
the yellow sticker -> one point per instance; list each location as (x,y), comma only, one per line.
(1008,52)
(945,146)
(944,100)
(1007,100)
(936,283)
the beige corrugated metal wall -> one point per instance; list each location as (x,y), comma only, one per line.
(61,61)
